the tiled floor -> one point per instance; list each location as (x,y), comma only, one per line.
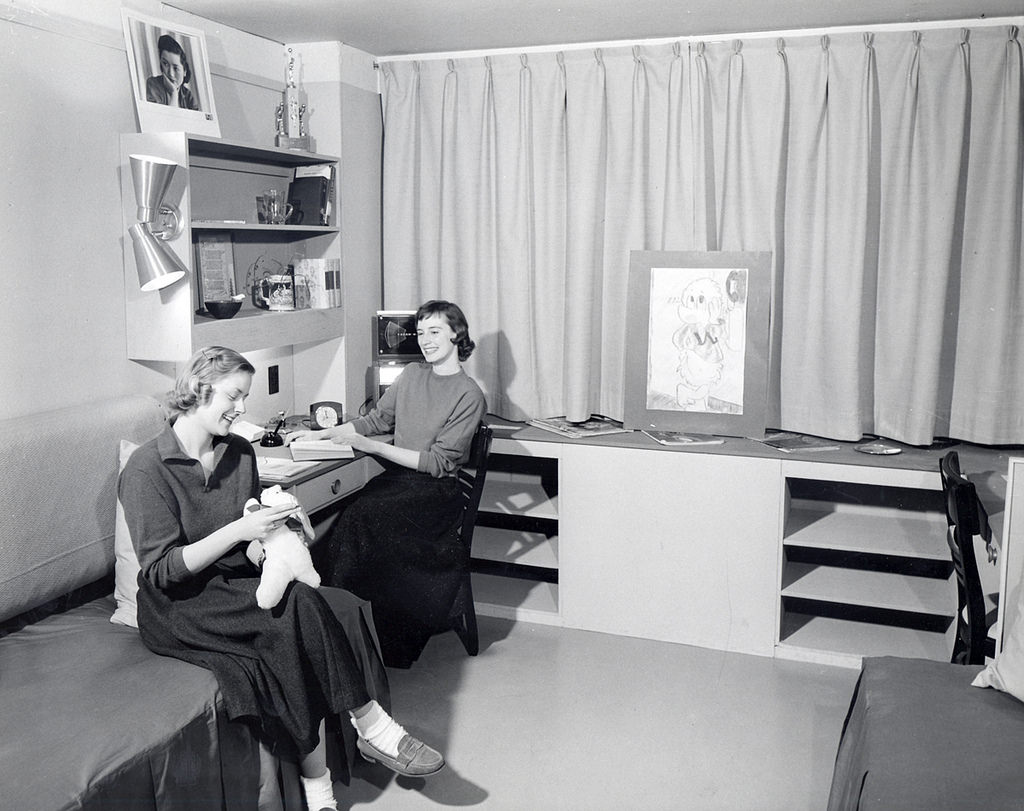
(547,718)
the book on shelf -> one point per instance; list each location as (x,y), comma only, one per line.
(278,469)
(322,280)
(789,442)
(215,266)
(319,450)
(310,193)
(595,426)
(681,439)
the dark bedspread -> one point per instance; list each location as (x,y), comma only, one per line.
(91,719)
(919,736)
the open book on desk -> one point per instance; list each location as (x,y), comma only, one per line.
(320,450)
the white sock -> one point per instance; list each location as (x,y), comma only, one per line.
(379,729)
(319,792)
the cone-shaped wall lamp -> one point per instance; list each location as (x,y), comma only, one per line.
(157,265)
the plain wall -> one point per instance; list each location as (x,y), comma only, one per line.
(65,98)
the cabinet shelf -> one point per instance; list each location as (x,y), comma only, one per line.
(512,547)
(806,636)
(208,146)
(296,230)
(864,529)
(248,330)
(518,496)
(894,592)
(516,599)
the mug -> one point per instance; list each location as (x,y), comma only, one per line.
(277,210)
(274,293)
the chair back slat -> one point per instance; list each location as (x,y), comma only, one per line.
(471,478)
(964,522)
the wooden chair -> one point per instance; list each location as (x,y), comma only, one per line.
(972,643)
(471,483)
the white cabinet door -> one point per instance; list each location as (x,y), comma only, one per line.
(675,546)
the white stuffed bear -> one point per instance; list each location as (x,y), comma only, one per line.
(286,557)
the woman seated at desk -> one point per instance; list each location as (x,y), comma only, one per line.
(397,545)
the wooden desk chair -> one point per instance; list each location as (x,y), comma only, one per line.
(471,483)
(972,643)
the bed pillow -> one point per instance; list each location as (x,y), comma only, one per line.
(1006,672)
(126,564)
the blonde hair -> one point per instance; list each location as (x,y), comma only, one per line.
(194,385)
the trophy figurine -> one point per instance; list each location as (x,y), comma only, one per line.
(291,129)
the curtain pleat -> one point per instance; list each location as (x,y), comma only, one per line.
(884,173)
(988,378)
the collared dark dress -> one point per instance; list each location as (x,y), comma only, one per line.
(282,670)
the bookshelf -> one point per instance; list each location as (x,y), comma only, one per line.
(215,188)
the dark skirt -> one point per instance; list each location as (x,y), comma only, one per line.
(397,545)
(282,670)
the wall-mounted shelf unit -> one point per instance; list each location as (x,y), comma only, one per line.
(215,188)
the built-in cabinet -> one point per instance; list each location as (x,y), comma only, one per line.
(823,557)
(516,540)
(864,564)
(215,188)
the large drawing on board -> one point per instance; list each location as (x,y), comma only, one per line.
(697,342)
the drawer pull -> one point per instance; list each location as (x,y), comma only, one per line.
(336,487)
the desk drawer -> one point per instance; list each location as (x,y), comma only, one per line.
(331,486)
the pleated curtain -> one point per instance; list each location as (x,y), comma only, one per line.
(883,171)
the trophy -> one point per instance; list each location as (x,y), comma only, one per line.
(291,129)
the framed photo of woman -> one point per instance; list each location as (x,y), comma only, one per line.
(170,74)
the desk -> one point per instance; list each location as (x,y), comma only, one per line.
(326,482)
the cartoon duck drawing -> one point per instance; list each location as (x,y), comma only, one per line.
(703,312)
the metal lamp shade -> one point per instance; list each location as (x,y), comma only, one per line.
(151,177)
(156,264)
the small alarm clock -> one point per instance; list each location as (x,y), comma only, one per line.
(325,414)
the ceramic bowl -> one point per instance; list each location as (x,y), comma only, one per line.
(224,308)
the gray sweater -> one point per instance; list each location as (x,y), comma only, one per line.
(436,415)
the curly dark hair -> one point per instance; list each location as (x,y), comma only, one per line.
(456,320)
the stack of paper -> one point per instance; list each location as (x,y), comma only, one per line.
(303,449)
(276,469)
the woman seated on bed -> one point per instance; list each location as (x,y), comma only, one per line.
(283,670)
(397,545)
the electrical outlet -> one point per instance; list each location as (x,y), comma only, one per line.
(273,379)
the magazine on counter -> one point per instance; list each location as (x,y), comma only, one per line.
(681,439)
(595,426)
(788,442)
